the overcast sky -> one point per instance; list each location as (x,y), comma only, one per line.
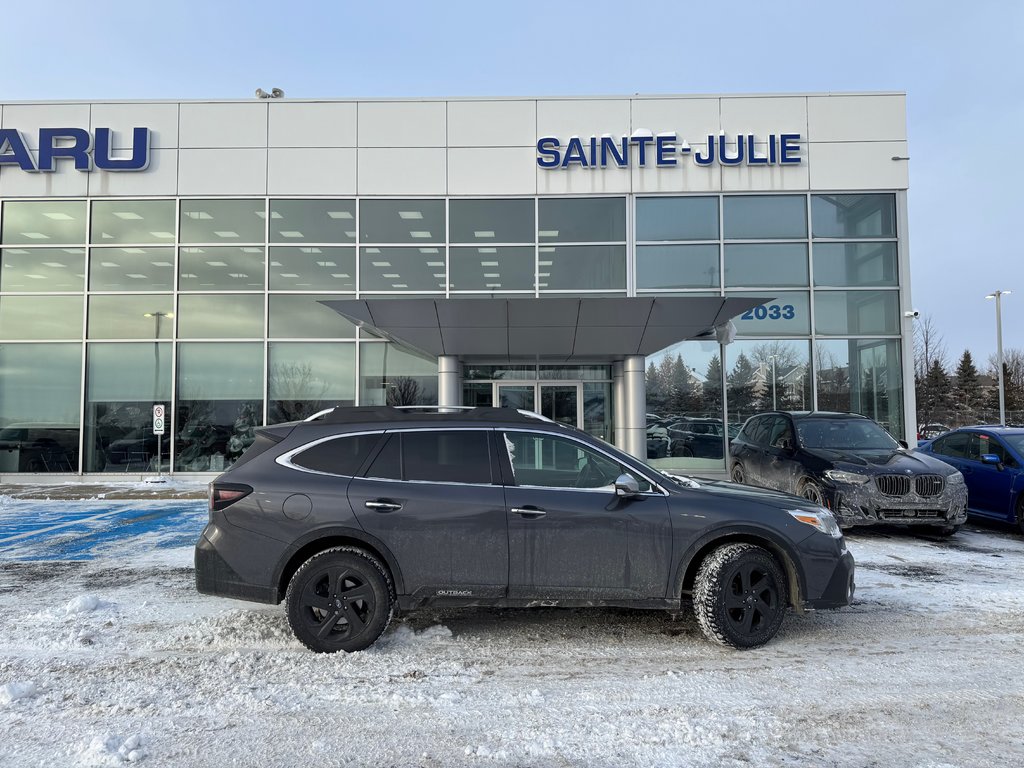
(960,65)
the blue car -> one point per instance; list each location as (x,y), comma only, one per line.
(992,462)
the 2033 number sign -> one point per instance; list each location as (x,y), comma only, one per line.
(770,312)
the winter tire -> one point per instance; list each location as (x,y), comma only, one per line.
(737,475)
(340,600)
(811,491)
(739,596)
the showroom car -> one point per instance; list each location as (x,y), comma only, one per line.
(851,465)
(361,512)
(991,459)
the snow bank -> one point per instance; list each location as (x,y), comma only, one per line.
(109,749)
(14,691)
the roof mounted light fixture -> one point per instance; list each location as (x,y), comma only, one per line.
(275,93)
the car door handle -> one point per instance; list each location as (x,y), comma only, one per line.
(529,512)
(382,506)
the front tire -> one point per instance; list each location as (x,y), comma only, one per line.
(811,491)
(340,599)
(739,596)
(737,475)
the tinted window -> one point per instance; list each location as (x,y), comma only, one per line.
(983,444)
(553,462)
(756,430)
(447,457)
(780,431)
(388,463)
(954,445)
(342,456)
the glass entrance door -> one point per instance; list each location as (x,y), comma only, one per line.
(562,403)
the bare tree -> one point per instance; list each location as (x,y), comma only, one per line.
(929,346)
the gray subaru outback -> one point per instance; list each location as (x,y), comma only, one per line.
(359,513)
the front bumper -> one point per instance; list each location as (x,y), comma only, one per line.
(840,587)
(866,505)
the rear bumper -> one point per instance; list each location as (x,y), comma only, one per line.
(215,576)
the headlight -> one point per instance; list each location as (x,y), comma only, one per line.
(822,520)
(955,479)
(839,476)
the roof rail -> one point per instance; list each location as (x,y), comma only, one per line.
(434,408)
(320,414)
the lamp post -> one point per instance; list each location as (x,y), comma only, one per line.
(772,358)
(997,295)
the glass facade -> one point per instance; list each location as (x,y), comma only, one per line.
(213,307)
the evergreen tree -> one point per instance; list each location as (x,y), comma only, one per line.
(711,401)
(936,395)
(680,387)
(968,398)
(741,388)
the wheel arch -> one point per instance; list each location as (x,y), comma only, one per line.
(690,563)
(327,538)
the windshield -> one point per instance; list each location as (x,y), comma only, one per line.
(846,434)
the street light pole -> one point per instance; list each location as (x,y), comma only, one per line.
(772,357)
(997,295)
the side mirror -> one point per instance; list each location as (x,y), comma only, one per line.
(904,444)
(626,486)
(991,458)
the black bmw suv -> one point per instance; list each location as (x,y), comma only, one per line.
(361,512)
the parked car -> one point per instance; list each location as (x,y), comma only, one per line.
(699,438)
(366,511)
(849,464)
(931,431)
(991,459)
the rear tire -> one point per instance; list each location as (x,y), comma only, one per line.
(739,596)
(340,599)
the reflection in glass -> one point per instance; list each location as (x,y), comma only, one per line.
(221,269)
(301,316)
(43,222)
(685,427)
(132,221)
(472,372)
(131,269)
(223,222)
(677,266)
(854,215)
(401,221)
(764,217)
(131,317)
(401,269)
(40,317)
(123,382)
(855,264)
(522,397)
(477,394)
(306,268)
(574,372)
(306,378)
(581,267)
(36,270)
(391,376)
(582,220)
(780,313)
(220,404)
(863,376)
(856,312)
(40,387)
(312,221)
(753,264)
(597,410)
(220,316)
(478,269)
(491,221)
(677,218)
(767,375)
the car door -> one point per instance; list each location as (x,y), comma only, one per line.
(570,535)
(779,468)
(991,485)
(749,446)
(434,498)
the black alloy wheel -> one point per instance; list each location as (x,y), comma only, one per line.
(737,474)
(339,600)
(811,491)
(739,596)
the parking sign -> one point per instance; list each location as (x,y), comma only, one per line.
(158,419)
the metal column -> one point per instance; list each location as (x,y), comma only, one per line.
(449,387)
(618,405)
(635,409)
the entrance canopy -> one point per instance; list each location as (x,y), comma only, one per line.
(561,329)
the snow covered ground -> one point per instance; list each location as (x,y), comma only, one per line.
(108,656)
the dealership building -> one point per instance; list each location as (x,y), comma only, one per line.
(652,269)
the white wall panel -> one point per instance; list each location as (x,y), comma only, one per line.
(858,165)
(857,118)
(492,171)
(691,119)
(417,171)
(320,124)
(582,117)
(312,172)
(161,119)
(161,178)
(402,124)
(583,181)
(29,118)
(764,115)
(223,125)
(66,182)
(492,123)
(685,177)
(222,171)
(766,178)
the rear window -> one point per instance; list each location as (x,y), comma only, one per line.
(340,456)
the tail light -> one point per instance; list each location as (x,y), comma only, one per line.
(223,495)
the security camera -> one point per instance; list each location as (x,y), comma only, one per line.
(912,313)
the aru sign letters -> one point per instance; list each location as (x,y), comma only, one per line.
(643,148)
(86,150)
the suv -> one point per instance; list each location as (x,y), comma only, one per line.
(361,512)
